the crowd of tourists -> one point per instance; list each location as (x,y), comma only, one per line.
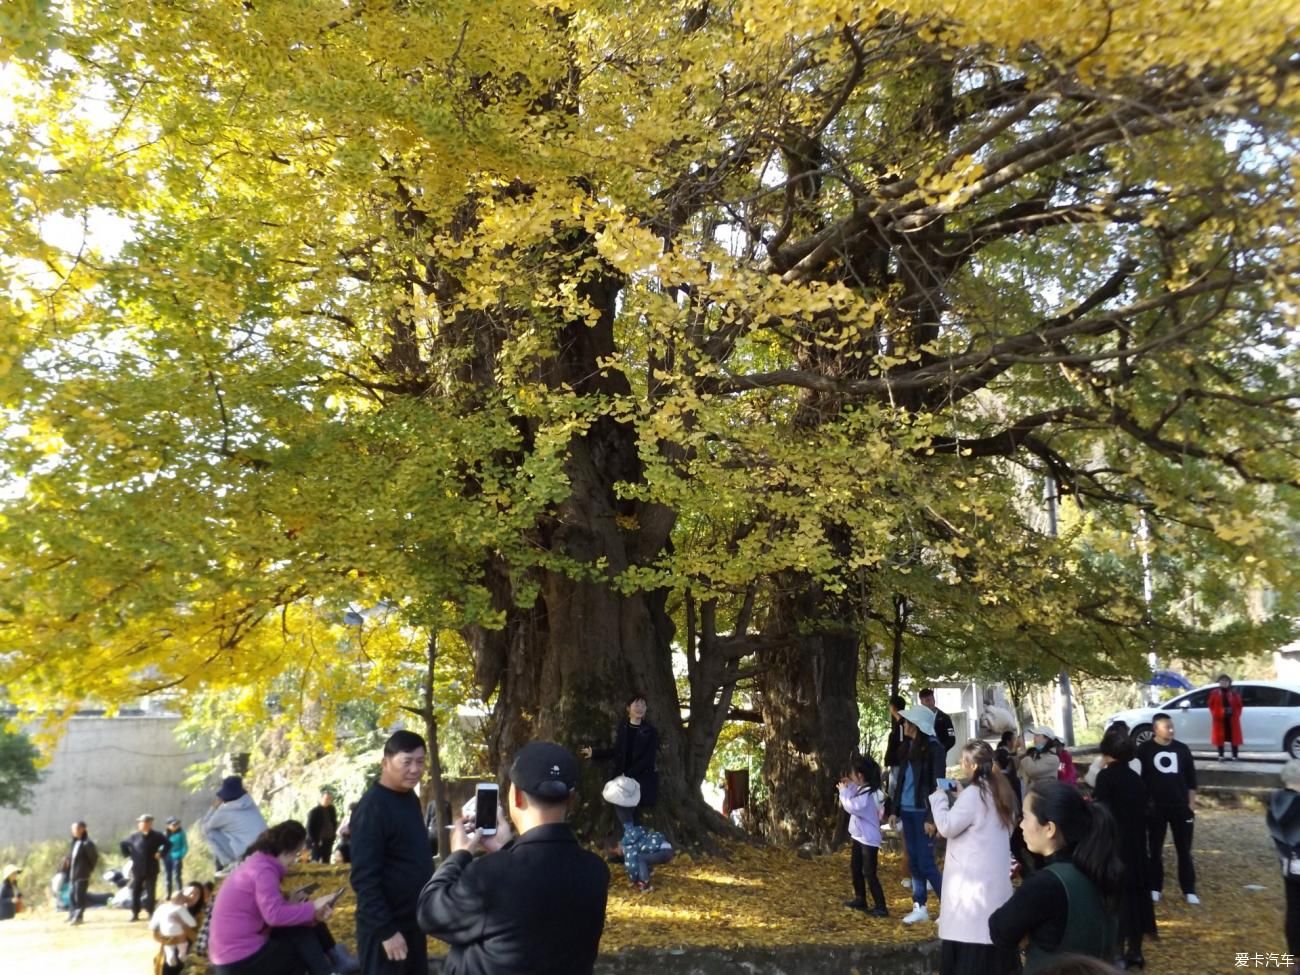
(1091,866)
(522,895)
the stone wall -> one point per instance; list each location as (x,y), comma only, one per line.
(911,959)
(108,771)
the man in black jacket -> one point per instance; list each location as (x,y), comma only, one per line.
(81,861)
(533,906)
(391,862)
(322,827)
(145,848)
(1170,778)
(943,729)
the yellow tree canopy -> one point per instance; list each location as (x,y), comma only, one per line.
(463,305)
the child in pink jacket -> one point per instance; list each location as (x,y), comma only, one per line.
(860,796)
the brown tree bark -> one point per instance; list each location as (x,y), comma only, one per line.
(810,711)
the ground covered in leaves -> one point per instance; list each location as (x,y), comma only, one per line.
(758,897)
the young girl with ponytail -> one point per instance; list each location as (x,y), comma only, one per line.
(1069,906)
(860,796)
(977,867)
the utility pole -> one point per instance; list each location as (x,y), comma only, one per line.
(1063,678)
(1148,596)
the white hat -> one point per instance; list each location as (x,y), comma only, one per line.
(922,717)
(622,791)
(1044,730)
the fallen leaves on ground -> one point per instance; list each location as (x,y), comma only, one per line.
(763,897)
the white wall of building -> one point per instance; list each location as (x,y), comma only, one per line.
(108,771)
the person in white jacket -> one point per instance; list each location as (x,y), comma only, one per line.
(233,822)
(977,867)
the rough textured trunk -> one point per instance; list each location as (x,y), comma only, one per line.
(810,711)
(564,668)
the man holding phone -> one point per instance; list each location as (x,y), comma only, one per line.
(391,862)
(535,905)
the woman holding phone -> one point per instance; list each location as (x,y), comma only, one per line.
(977,868)
(256,930)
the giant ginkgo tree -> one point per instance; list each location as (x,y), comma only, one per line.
(595,330)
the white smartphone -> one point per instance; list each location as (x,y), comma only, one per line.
(947,785)
(485,808)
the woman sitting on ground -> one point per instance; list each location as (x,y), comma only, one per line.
(1069,906)
(255,929)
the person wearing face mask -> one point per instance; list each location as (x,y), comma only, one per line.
(1040,762)
(636,745)
(1069,906)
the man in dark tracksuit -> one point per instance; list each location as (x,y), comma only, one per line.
(145,849)
(322,827)
(391,862)
(533,906)
(82,858)
(1170,778)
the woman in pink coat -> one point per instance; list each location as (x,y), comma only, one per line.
(977,866)
(255,930)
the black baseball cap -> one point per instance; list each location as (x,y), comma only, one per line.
(545,769)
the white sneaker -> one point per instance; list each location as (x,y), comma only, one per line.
(1193,899)
(1155,896)
(919,913)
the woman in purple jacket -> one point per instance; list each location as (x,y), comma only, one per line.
(255,930)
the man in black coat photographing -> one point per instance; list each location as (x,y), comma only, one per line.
(533,905)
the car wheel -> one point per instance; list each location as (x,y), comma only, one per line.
(1141,735)
(1291,743)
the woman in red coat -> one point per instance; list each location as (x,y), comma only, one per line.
(1225,714)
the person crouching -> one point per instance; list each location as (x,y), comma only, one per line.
(643,849)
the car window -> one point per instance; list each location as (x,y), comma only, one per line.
(1255,696)
(1196,699)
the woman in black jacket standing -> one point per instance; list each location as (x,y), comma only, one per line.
(1069,906)
(1123,793)
(636,744)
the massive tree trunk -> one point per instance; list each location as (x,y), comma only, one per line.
(809,704)
(564,668)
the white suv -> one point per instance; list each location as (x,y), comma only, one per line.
(1270,717)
